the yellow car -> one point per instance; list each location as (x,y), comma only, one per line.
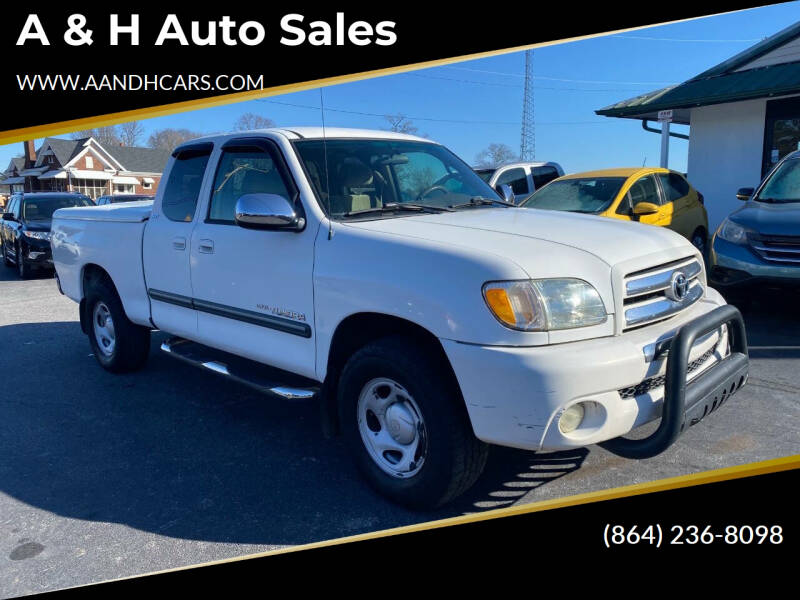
(648,195)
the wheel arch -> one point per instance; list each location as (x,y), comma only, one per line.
(91,272)
(354,332)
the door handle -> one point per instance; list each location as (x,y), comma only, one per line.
(179,243)
(206,246)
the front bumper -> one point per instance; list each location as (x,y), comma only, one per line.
(37,253)
(736,266)
(515,396)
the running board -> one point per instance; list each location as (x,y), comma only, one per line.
(263,378)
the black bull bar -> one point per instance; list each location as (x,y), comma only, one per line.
(688,402)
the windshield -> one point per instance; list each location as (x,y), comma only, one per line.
(130,198)
(42,208)
(584,195)
(784,184)
(369,174)
(485,174)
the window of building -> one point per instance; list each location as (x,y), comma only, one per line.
(89,162)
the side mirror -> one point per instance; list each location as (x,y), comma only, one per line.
(267,211)
(744,194)
(645,208)
(9,216)
(506,193)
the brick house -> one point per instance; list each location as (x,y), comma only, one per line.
(85,166)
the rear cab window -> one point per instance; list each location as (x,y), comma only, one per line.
(182,191)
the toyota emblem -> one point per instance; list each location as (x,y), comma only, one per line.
(678,287)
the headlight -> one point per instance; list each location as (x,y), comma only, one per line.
(37,235)
(733,232)
(545,304)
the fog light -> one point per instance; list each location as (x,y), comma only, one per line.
(571,418)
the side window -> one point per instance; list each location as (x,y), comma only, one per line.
(543,175)
(15,207)
(675,186)
(183,186)
(644,190)
(240,172)
(516,178)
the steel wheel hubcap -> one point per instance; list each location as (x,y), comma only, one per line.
(391,427)
(104,333)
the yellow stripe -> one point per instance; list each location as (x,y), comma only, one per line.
(729,473)
(38,131)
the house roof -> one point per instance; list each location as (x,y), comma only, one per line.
(18,163)
(140,160)
(133,158)
(729,81)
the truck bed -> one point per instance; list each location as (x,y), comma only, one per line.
(108,237)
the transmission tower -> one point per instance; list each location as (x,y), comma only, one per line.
(527,147)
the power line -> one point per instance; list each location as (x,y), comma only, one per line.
(435,120)
(559,78)
(660,39)
(516,86)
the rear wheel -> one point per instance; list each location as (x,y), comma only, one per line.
(405,422)
(700,241)
(119,345)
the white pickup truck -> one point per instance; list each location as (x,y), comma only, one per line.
(379,274)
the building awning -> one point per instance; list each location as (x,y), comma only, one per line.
(12,181)
(55,174)
(33,172)
(148,180)
(774,80)
(83,174)
(125,180)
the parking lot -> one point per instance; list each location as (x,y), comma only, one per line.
(105,476)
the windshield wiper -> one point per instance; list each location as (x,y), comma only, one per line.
(397,206)
(481,201)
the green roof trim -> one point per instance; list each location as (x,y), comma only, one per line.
(721,83)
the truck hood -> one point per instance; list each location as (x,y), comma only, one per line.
(771,219)
(498,230)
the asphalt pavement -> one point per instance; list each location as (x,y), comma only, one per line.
(104,476)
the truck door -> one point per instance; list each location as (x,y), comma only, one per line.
(253,289)
(166,244)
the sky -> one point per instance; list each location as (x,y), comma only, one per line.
(467,106)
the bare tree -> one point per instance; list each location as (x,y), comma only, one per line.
(169,138)
(400,123)
(494,156)
(130,133)
(250,121)
(107,136)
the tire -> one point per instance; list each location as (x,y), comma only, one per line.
(430,454)
(119,345)
(6,262)
(23,270)
(699,240)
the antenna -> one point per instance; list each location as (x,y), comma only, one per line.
(527,146)
(325,155)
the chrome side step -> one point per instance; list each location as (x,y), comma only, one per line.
(263,378)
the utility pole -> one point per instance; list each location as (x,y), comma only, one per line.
(527,147)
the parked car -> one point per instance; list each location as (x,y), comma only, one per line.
(759,244)
(116,198)
(523,177)
(379,273)
(652,196)
(25,228)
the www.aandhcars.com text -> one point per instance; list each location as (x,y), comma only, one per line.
(135,82)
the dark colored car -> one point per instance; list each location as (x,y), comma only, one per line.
(25,228)
(759,244)
(102,200)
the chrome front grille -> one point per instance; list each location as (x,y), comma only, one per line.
(657,381)
(784,249)
(660,292)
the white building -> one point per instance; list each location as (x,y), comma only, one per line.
(743,116)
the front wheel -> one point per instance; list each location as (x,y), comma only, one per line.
(119,345)
(700,241)
(23,269)
(405,422)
